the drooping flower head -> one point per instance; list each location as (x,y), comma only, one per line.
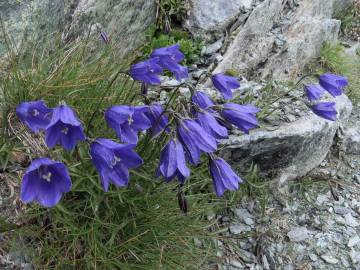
(168,54)
(173,163)
(169,58)
(242,116)
(113,161)
(147,71)
(225,84)
(314,91)
(332,83)
(157,118)
(35,114)
(224,178)
(64,128)
(104,37)
(45,181)
(211,125)
(325,110)
(127,121)
(195,140)
(202,100)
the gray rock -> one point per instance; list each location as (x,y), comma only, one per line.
(353,241)
(351,221)
(340,210)
(298,234)
(246,256)
(304,32)
(207,17)
(236,264)
(321,199)
(237,228)
(213,48)
(124,20)
(253,43)
(354,256)
(313,257)
(265,263)
(292,150)
(244,216)
(351,140)
(329,259)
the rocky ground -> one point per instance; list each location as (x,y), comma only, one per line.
(315,224)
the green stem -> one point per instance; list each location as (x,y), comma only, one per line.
(102,98)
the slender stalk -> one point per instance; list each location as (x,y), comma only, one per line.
(102,98)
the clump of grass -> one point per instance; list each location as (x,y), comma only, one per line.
(139,227)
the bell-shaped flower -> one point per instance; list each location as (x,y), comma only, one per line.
(325,110)
(113,161)
(64,128)
(180,72)
(127,121)
(173,163)
(169,58)
(202,100)
(332,83)
(157,118)
(168,54)
(314,91)
(45,181)
(242,116)
(225,84)
(195,140)
(208,121)
(147,71)
(35,114)
(224,178)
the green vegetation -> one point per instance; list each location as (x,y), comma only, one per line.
(348,18)
(170,12)
(139,227)
(189,47)
(167,31)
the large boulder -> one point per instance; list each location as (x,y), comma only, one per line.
(125,20)
(207,18)
(292,150)
(277,41)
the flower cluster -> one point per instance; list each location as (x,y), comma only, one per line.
(192,128)
(331,83)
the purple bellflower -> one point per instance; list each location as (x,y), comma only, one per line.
(147,71)
(170,53)
(242,116)
(157,118)
(225,84)
(325,110)
(127,121)
(224,178)
(195,140)
(332,83)
(35,114)
(45,181)
(211,125)
(202,100)
(169,58)
(314,91)
(104,37)
(64,128)
(113,161)
(173,163)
